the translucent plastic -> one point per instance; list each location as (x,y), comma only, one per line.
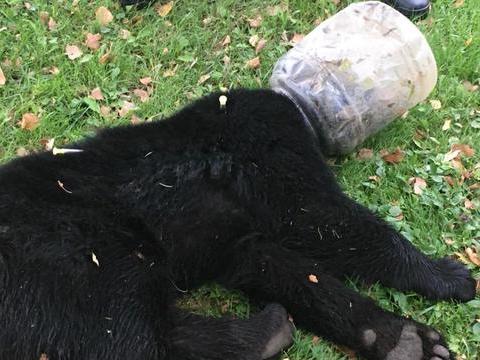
(356,72)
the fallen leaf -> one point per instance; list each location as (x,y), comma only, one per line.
(313,279)
(458,3)
(260,45)
(47,143)
(94,259)
(374,178)
(469,41)
(364,154)
(92,41)
(273,10)
(103,16)
(126,108)
(226,59)
(475,186)
(468,204)
(52,24)
(135,120)
(418,185)
(203,78)
(105,110)
(105,57)
(164,10)
(336,2)
(394,157)
(3,80)
(124,34)
(53,70)
(73,52)
(468,86)
(29,121)
(27,5)
(96,94)
(44,16)
(315,340)
(446,124)
(43,356)
(146,80)
(165,51)
(464,149)
(449,180)
(253,63)
(453,154)
(170,72)
(226,40)
(21,151)
(296,38)
(253,40)
(435,104)
(256,22)
(457,164)
(141,94)
(472,256)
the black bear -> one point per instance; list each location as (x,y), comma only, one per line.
(97,243)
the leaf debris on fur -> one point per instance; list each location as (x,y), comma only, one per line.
(60,184)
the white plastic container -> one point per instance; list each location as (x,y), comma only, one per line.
(356,72)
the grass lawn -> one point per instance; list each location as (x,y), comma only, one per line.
(187,53)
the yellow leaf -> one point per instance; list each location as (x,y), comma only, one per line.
(164,10)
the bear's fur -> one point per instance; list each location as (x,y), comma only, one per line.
(95,246)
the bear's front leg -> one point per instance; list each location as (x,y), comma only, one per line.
(322,304)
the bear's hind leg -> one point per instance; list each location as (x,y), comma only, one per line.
(262,336)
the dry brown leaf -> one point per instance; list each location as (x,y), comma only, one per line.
(449,180)
(253,63)
(52,24)
(468,204)
(351,355)
(457,164)
(256,22)
(3,79)
(43,356)
(435,104)
(29,121)
(315,340)
(164,10)
(96,94)
(296,38)
(47,144)
(458,3)
(452,154)
(473,256)
(44,16)
(364,154)
(73,52)
(418,185)
(92,41)
(253,40)
(53,70)
(464,149)
(135,120)
(126,108)
(146,80)
(105,110)
(336,2)
(468,86)
(394,157)
(124,34)
(226,40)
(141,94)
(103,16)
(446,124)
(475,186)
(21,151)
(107,57)
(203,78)
(170,72)
(313,279)
(260,45)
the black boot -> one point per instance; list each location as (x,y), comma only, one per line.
(410,8)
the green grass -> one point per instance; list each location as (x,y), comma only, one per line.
(192,33)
